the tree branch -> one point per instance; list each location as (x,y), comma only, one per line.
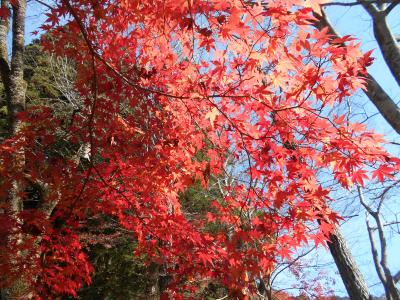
(391,7)
(44,4)
(384,36)
(363,203)
(355,3)
(382,101)
(382,267)
(374,252)
(370,8)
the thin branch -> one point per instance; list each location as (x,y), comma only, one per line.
(343,3)
(355,3)
(363,203)
(375,254)
(387,224)
(44,4)
(291,263)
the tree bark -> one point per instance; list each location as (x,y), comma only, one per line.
(386,40)
(385,105)
(13,80)
(12,75)
(154,293)
(352,278)
(16,101)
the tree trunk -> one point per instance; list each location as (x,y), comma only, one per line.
(382,101)
(352,278)
(16,102)
(13,80)
(154,293)
(12,75)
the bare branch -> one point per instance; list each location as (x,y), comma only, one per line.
(44,4)
(363,203)
(387,189)
(354,3)
(375,256)
(382,267)
(291,263)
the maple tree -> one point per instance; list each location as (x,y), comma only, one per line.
(161,82)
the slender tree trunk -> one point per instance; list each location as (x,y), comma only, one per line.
(13,80)
(154,293)
(352,278)
(12,77)
(16,101)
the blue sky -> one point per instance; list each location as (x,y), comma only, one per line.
(347,20)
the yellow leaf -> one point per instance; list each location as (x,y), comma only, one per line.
(212,115)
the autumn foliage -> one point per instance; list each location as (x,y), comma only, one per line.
(162,82)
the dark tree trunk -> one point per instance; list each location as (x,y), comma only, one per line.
(382,101)
(154,292)
(352,278)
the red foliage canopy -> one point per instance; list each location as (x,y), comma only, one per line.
(165,80)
